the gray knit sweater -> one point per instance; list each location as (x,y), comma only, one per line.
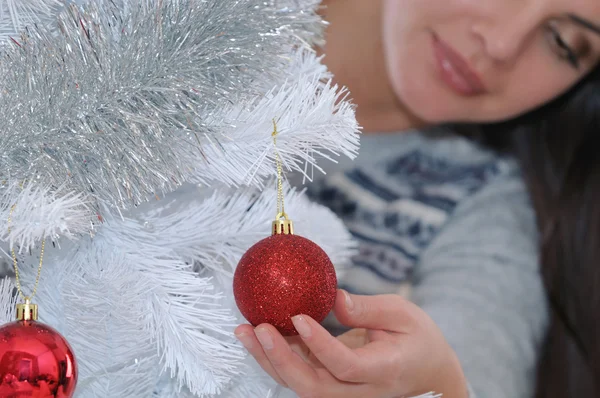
(453,222)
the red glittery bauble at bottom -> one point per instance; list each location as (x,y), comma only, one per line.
(35,362)
(283,276)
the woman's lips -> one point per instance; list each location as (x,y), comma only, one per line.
(455,71)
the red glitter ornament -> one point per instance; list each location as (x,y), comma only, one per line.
(35,360)
(282,276)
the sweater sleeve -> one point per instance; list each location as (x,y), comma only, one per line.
(479,281)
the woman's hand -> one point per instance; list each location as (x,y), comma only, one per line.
(397,351)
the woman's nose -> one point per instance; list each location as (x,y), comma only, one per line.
(506,33)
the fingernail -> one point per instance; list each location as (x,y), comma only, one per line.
(264,336)
(301,326)
(245,339)
(349,303)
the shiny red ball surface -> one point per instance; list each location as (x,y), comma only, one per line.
(282,276)
(35,362)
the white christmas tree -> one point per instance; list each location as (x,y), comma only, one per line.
(136,141)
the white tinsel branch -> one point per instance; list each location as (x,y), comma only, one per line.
(8,301)
(146,319)
(214,228)
(98,297)
(114,102)
(312,116)
(314,120)
(252,382)
(37,211)
(133,306)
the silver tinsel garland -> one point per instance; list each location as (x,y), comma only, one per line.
(111,102)
(15,15)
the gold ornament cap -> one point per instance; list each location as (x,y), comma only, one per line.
(282,225)
(27,311)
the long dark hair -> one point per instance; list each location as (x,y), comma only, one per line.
(558,146)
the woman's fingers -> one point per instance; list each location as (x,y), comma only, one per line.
(300,376)
(245,334)
(354,338)
(289,366)
(361,365)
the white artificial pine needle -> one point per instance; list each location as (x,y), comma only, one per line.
(8,301)
(312,120)
(42,212)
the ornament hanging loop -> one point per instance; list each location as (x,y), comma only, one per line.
(282,225)
(27,311)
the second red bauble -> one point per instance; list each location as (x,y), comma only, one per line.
(282,276)
(35,362)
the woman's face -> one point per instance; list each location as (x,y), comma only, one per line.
(486,60)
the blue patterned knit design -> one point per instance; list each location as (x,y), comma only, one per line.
(396,208)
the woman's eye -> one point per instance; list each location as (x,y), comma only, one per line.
(563,50)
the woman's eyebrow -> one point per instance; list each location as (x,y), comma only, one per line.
(585,23)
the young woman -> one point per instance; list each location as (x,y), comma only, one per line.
(455,218)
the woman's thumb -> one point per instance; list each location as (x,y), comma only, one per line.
(384,312)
